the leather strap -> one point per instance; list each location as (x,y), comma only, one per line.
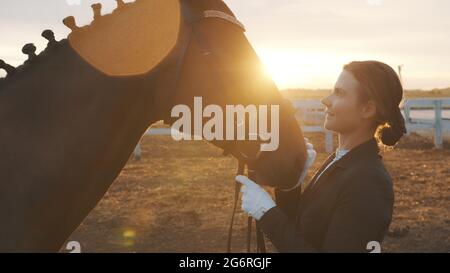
(224,16)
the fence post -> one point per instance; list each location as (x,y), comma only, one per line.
(407,112)
(328,141)
(438,124)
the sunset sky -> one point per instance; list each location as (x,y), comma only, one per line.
(302,43)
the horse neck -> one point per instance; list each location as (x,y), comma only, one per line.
(67,131)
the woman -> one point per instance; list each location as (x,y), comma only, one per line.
(349,201)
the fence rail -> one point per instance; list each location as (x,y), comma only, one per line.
(311,115)
(438,124)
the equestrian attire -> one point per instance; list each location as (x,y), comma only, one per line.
(347,204)
(338,154)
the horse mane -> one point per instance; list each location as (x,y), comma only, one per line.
(103,42)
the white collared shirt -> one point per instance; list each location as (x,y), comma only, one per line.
(339,153)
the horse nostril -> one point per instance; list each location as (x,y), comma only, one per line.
(300,160)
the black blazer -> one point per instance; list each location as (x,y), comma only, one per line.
(350,205)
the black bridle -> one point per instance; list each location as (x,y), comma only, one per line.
(191,17)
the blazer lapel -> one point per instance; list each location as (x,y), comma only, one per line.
(323,179)
(324,164)
(366,149)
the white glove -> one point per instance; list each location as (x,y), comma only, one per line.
(310,157)
(255,200)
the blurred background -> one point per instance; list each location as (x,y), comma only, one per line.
(303,43)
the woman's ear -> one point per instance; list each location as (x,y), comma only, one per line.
(369,110)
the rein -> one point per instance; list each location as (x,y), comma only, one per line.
(245,163)
(260,243)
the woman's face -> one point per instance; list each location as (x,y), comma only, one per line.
(344,111)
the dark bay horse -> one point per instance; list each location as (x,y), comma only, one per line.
(71,116)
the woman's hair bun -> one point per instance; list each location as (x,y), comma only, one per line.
(395,129)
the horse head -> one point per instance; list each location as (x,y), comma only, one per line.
(72,115)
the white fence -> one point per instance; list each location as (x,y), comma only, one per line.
(311,115)
(429,117)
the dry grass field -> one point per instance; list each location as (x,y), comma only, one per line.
(178,198)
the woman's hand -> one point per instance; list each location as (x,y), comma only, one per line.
(310,157)
(255,200)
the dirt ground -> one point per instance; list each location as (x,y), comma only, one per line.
(178,198)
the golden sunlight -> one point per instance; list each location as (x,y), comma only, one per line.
(294,68)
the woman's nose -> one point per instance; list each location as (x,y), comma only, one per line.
(326,101)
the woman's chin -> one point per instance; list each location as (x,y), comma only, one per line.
(329,125)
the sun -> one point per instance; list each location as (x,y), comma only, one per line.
(284,70)
(294,68)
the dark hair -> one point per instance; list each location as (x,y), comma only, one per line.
(382,85)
